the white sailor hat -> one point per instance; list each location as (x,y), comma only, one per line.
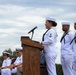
(50,19)
(6,53)
(66,23)
(18,49)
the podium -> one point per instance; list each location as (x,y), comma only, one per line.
(31,56)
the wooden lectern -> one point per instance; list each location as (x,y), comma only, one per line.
(31,56)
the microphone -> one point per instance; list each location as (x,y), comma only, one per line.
(32,30)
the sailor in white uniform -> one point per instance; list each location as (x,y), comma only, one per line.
(18,61)
(67,49)
(74,47)
(6,62)
(49,43)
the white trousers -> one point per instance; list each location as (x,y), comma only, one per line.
(74,72)
(74,66)
(50,62)
(14,70)
(67,61)
(5,72)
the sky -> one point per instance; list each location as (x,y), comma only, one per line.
(17,17)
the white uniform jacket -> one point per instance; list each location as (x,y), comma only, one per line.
(6,62)
(74,61)
(6,71)
(74,46)
(67,48)
(50,39)
(18,60)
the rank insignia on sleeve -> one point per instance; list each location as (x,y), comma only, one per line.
(50,35)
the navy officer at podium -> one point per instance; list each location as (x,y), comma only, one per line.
(49,42)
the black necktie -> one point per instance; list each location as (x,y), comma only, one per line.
(75,37)
(44,34)
(64,36)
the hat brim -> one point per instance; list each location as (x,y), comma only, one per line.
(6,55)
(53,23)
(18,51)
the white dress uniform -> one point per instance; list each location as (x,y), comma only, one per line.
(50,52)
(67,53)
(74,62)
(6,71)
(18,60)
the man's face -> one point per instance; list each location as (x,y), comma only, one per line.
(19,53)
(75,26)
(5,56)
(65,27)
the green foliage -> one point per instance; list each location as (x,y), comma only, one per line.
(8,50)
(59,69)
(1,60)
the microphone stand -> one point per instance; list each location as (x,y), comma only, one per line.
(32,31)
(32,34)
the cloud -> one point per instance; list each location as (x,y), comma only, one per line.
(17,17)
(39,3)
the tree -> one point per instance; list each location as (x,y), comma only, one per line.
(9,50)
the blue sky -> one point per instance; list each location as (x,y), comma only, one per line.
(17,17)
